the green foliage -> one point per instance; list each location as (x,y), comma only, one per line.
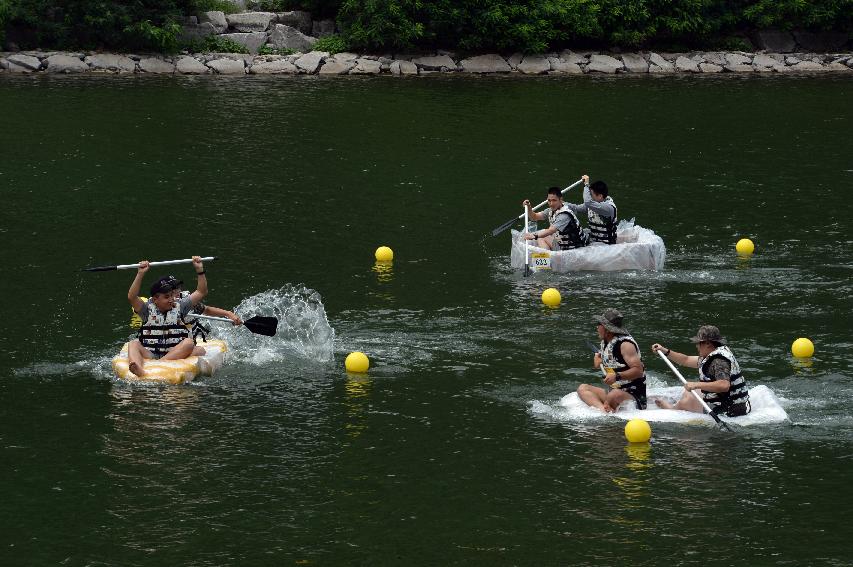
(214,44)
(269,50)
(331,43)
(379,24)
(214,6)
(803,14)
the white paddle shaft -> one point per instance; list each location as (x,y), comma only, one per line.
(164,263)
(524,241)
(545,202)
(683,381)
(210,318)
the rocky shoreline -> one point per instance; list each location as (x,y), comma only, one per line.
(322,63)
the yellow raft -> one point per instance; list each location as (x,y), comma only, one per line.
(175,371)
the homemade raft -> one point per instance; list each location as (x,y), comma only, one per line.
(175,371)
(636,248)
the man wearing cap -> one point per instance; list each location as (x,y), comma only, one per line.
(164,333)
(620,355)
(564,232)
(721,381)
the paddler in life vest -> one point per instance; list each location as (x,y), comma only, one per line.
(721,382)
(620,355)
(600,209)
(164,333)
(564,232)
(195,325)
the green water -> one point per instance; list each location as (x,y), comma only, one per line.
(443,453)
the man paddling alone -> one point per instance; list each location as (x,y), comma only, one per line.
(620,355)
(721,382)
(564,232)
(164,333)
(600,210)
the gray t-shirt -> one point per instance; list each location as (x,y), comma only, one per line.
(605,210)
(185,304)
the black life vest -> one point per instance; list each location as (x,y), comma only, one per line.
(603,229)
(161,332)
(723,402)
(572,236)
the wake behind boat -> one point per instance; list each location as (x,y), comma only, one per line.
(636,248)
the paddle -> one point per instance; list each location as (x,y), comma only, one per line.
(511,221)
(597,351)
(259,325)
(697,396)
(135,266)
(526,247)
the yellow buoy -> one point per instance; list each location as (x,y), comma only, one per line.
(638,431)
(384,254)
(357,362)
(745,247)
(551,297)
(802,348)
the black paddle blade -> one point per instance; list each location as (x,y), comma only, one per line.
(262,325)
(593,348)
(99,269)
(504,226)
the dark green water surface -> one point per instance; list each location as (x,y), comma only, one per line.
(436,456)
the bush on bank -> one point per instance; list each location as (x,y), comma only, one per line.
(469,25)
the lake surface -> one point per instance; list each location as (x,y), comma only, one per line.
(455,447)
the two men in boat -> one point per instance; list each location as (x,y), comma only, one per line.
(721,383)
(625,373)
(565,232)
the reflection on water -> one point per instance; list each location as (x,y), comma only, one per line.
(357,403)
(384,271)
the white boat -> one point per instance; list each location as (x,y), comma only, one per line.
(766,409)
(636,248)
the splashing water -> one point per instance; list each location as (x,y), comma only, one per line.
(303,329)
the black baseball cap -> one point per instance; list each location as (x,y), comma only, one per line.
(165,284)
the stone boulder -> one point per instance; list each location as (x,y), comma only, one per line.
(514,59)
(20,63)
(108,63)
(762,62)
(65,64)
(250,21)
(366,67)
(686,65)
(252,41)
(227,67)
(333,66)
(562,66)
(310,62)
(807,66)
(191,66)
(156,66)
(273,67)
(571,57)
(658,64)
(485,64)
(710,68)
(635,63)
(287,37)
(323,28)
(738,63)
(603,64)
(534,65)
(192,32)
(774,40)
(398,67)
(435,63)
(715,58)
(215,19)
(296,19)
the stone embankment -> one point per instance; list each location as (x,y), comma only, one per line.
(296,32)
(323,63)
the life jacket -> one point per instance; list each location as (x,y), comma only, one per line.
(722,402)
(196,327)
(161,332)
(603,229)
(611,357)
(572,236)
